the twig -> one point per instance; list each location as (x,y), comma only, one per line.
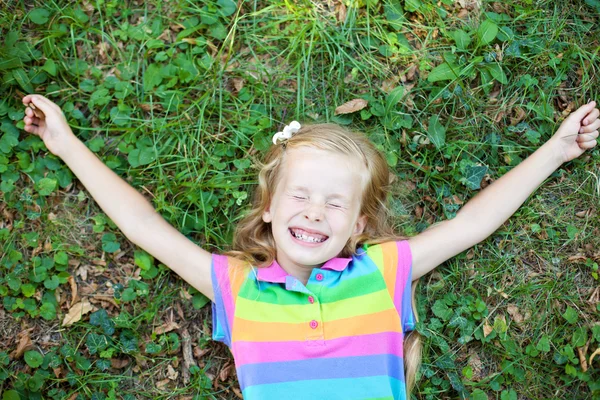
(188,356)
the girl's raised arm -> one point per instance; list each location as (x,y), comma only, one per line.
(487,211)
(130,211)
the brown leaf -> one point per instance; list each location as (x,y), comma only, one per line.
(581,351)
(199,353)
(24,343)
(164,328)
(224,374)
(476,365)
(594,354)
(76,312)
(487,329)
(119,363)
(351,106)
(171,373)
(163,383)
(73,285)
(514,313)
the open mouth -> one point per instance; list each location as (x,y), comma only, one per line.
(308,237)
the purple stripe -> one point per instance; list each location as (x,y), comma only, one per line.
(402,296)
(351,346)
(321,368)
(222,307)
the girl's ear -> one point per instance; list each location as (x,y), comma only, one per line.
(266,217)
(361,223)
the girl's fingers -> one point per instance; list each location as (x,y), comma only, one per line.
(32,129)
(586,137)
(587,145)
(594,125)
(40,102)
(591,116)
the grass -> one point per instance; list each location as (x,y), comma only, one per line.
(181,99)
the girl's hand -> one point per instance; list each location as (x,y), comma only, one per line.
(46,119)
(578,132)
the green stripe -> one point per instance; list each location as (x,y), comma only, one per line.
(348,288)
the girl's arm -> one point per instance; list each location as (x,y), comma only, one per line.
(490,208)
(129,210)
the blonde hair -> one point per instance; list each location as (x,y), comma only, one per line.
(253,239)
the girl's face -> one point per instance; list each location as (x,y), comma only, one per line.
(316,205)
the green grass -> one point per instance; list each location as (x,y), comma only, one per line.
(182,97)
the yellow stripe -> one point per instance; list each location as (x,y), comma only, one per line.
(347,308)
(390,265)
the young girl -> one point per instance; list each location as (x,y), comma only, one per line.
(314,301)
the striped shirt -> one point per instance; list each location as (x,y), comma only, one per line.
(337,337)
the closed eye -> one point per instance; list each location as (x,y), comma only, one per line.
(336,205)
(299,197)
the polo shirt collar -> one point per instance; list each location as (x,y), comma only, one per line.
(275,274)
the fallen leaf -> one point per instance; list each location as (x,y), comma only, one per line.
(119,363)
(171,373)
(73,285)
(224,374)
(24,343)
(164,328)
(351,106)
(594,354)
(163,383)
(76,312)
(514,313)
(199,353)
(476,365)
(487,329)
(581,351)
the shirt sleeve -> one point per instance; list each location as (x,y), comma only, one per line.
(394,261)
(222,306)
(403,286)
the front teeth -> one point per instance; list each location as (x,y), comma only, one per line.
(305,238)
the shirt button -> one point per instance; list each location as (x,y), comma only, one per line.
(319,277)
(311,299)
(313,324)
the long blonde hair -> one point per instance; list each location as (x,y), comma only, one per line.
(253,239)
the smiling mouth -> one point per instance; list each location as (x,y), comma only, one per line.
(308,237)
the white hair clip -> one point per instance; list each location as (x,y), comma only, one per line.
(288,131)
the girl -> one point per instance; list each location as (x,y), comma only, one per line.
(314,301)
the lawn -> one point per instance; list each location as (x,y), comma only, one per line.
(181,98)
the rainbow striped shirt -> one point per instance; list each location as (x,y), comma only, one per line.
(338,337)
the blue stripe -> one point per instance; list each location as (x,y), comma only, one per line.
(331,389)
(321,368)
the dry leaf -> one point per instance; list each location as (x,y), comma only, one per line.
(163,383)
(171,373)
(164,328)
(487,329)
(514,313)
(119,363)
(224,374)
(476,365)
(73,284)
(76,312)
(23,344)
(581,351)
(594,354)
(351,106)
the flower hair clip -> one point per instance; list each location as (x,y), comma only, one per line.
(288,131)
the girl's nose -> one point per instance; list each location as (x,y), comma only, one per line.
(313,212)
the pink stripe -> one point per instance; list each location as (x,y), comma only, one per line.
(404,261)
(364,345)
(222,273)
